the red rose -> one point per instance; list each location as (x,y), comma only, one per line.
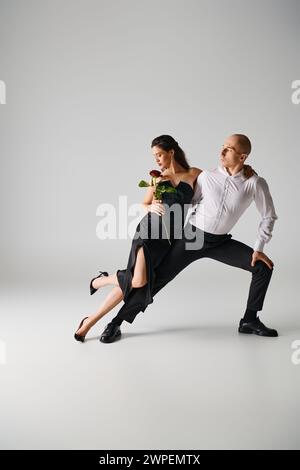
(155,173)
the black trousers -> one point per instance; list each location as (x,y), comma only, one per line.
(196,244)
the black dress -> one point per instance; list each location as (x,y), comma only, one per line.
(155,234)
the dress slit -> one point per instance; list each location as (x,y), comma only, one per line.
(125,276)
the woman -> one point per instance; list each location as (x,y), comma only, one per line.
(146,253)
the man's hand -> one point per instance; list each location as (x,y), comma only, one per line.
(260,256)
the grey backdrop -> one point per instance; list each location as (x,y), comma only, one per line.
(89,85)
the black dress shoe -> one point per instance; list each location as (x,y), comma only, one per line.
(256,327)
(111,333)
(92,289)
(80,337)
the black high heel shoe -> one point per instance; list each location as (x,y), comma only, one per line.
(92,289)
(79,337)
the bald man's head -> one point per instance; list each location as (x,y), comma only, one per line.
(235,151)
(243,143)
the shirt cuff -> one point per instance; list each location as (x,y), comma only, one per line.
(188,215)
(259,245)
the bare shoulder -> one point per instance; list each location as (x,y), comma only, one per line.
(195,171)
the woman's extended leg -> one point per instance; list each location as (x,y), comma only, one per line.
(139,279)
(105,281)
(112,299)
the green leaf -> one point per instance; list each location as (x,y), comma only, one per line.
(163,189)
(143,184)
(170,190)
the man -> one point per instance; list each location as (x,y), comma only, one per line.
(221,197)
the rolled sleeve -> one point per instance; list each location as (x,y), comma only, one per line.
(265,206)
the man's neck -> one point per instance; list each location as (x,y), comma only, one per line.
(233,170)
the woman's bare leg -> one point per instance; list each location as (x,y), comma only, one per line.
(139,279)
(112,299)
(105,281)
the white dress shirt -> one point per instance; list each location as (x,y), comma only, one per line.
(220,199)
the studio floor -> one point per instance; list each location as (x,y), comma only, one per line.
(181,377)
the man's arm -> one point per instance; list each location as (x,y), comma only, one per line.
(265,206)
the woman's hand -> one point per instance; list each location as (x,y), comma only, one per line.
(249,171)
(156,207)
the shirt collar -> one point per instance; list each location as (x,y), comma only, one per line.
(223,170)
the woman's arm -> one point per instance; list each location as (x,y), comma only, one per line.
(195,171)
(248,171)
(148,198)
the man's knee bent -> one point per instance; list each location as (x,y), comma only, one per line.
(263,269)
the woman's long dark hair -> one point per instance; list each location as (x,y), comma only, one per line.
(166,142)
